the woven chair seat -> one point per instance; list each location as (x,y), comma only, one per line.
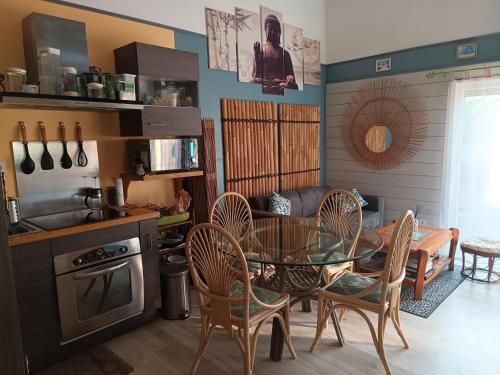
(350,283)
(266,296)
(482,245)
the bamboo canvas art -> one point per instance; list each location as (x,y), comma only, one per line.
(221,33)
(248,37)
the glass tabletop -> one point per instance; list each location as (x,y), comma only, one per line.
(300,242)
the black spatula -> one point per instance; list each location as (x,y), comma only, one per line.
(66,162)
(28,165)
(47,162)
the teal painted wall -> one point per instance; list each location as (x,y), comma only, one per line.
(435,56)
(215,85)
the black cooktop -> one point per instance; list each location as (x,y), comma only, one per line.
(72,218)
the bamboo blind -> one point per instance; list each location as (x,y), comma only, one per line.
(204,188)
(299,146)
(250,147)
(259,157)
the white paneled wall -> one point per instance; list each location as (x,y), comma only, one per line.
(418,181)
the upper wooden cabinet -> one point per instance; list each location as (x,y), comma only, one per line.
(158,62)
(167,85)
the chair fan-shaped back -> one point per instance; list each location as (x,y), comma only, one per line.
(232,212)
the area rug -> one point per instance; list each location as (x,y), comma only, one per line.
(95,361)
(434,294)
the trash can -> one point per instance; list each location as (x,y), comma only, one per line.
(175,291)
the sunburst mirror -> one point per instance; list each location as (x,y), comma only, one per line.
(385,123)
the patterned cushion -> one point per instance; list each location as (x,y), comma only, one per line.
(358,196)
(351,283)
(264,295)
(280,205)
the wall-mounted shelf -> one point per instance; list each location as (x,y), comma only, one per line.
(57,102)
(128,178)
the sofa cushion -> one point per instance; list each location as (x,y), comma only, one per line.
(294,198)
(310,198)
(259,203)
(279,204)
(359,197)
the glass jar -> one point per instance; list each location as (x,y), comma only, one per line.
(49,71)
(16,78)
(95,90)
(71,81)
(108,81)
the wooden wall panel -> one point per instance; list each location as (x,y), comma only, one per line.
(299,146)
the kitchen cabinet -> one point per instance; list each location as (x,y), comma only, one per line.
(156,121)
(150,264)
(37,291)
(161,72)
(37,302)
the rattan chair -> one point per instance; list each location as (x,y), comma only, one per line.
(359,292)
(225,295)
(232,212)
(339,213)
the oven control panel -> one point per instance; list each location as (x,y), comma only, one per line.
(102,253)
(96,255)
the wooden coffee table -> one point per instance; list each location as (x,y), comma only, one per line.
(431,240)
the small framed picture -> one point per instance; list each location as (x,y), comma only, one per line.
(383,65)
(467,51)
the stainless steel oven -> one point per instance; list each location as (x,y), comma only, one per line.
(98,287)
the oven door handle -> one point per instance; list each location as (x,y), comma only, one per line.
(83,276)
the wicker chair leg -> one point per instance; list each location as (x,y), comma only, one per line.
(338,330)
(205,336)
(284,320)
(380,349)
(247,354)
(320,323)
(396,320)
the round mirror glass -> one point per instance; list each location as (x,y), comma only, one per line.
(378,138)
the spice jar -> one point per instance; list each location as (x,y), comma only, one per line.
(71,81)
(95,90)
(16,78)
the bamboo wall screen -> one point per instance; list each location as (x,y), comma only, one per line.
(262,155)
(299,146)
(250,147)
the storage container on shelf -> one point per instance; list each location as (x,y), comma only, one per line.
(125,86)
(49,71)
(95,90)
(16,79)
(71,81)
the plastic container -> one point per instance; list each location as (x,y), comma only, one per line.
(108,80)
(71,81)
(95,90)
(125,86)
(16,78)
(49,71)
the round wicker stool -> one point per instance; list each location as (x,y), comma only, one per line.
(481,247)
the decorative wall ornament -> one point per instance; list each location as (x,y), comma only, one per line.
(221,33)
(385,123)
(247,35)
(312,62)
(294,44)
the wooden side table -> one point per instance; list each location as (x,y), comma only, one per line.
(431,240)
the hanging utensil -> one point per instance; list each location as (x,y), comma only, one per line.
(81,157)
(28,165)
(66,162)
(47,162)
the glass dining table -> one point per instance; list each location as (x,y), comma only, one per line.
(289,255)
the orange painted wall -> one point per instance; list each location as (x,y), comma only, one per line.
(104,34)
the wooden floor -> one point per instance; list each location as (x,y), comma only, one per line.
(460,337)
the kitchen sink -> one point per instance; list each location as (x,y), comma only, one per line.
(21,228)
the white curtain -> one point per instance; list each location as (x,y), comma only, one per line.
(471,173)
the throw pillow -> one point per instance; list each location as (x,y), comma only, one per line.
(280,205)
(360,199)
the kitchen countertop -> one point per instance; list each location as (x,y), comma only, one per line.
(134,215)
